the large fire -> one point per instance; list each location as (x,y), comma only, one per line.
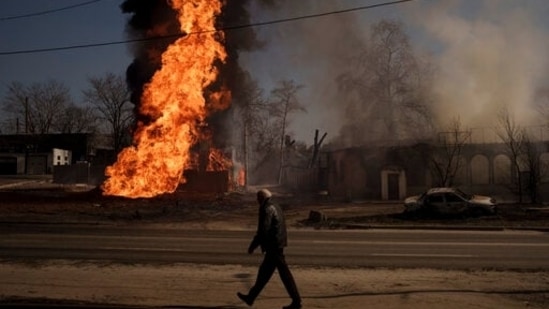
(174,101)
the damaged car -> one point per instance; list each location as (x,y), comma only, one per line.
(450,202)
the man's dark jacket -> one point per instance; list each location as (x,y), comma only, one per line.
(271,232)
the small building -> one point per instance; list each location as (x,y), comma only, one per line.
(62,156)
(37,154)
(33,154)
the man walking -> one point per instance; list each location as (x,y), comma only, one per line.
(271,236)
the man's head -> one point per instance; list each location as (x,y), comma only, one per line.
(263,195)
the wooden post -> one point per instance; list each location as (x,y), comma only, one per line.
(316,148)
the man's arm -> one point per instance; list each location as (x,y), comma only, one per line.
(263,228)
(270,214)
(254,244)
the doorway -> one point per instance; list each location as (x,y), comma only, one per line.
(393,187)
(393,184)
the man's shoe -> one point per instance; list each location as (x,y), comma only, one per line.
(246,299)
(293,305)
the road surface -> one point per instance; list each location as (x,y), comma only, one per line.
(438,249)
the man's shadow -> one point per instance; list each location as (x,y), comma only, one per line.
(205,307)
(245,278)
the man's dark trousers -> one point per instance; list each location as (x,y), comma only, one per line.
(274,259)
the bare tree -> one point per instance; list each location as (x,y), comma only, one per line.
(15,104)
(110,96)
(387,88)
(445,160)
(533,169)
(284,103)
(542,101)
(77,119)
(251,107)
(260,130)
(512,136)
(524,153)
(39,106)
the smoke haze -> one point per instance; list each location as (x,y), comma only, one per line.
(310,52)
(486,54)
(490,58)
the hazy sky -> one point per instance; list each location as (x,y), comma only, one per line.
(487,52)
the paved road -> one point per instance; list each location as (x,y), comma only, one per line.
(439,249)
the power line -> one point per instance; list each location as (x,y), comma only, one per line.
(290,19)
(48,11)
(228,28)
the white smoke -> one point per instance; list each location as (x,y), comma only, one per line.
(488,54)
(492,55)
(312,52)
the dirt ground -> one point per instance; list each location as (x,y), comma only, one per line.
(205,286)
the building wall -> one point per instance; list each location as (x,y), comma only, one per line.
(8,164)
(357,173)
(71,174)
(344,181)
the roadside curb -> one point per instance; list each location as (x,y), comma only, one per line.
(341,227)
(18,184)
(425,227)
(449,227)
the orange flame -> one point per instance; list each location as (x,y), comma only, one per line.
(241,177)
(217,161)
(174,100)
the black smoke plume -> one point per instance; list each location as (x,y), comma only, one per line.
(155,18)
(232,75)
(149,20)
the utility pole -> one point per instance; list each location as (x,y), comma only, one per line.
(26,115)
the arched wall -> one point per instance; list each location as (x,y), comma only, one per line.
(502,169)
(480,170)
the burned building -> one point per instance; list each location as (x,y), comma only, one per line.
(392,173)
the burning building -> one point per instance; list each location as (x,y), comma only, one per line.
(178,90)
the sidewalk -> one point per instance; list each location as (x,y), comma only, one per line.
(210,286)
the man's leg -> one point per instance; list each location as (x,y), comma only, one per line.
(288,279)
(264,274)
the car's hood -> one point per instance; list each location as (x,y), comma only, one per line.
(411,199)
(483,200)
